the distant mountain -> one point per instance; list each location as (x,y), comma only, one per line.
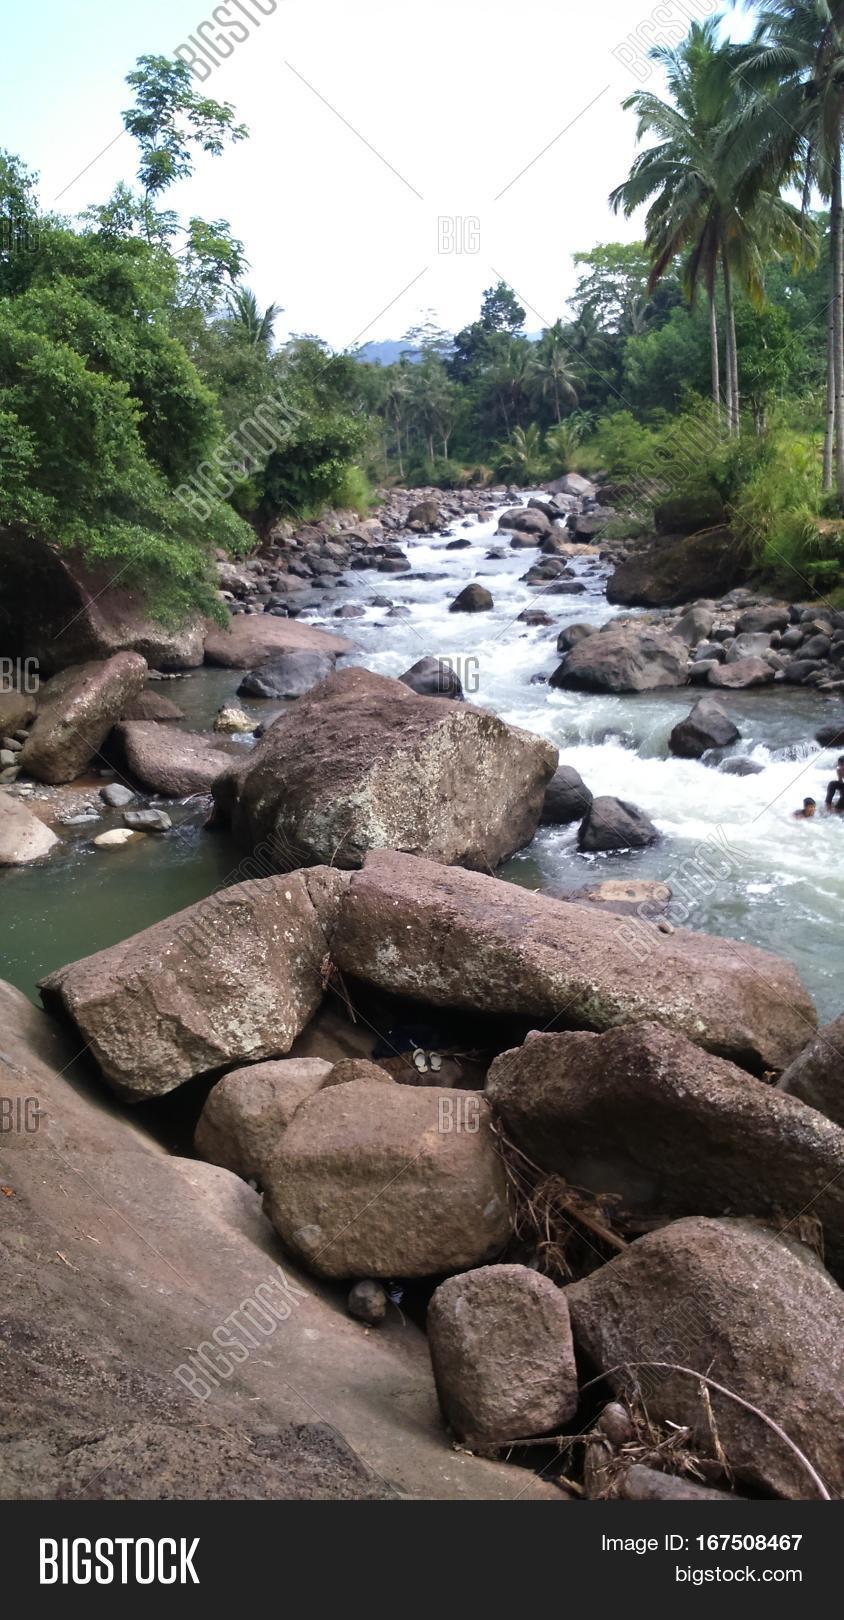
(391,350)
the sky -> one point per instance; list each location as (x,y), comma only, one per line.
(403,154)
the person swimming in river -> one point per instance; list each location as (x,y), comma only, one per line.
(835,791)
(806,814)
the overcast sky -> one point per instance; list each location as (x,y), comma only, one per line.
(371,122)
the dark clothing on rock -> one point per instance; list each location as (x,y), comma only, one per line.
(833,792)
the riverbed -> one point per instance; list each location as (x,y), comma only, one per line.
(784,882)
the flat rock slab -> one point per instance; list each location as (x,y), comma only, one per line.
(233,978)
(751,1309)
(257,638)
(170,761)
(127,1261)
(459,939)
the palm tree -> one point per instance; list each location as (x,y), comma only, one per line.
(246,316)
(696,204)
(791,130)
(552,370)
(522,457)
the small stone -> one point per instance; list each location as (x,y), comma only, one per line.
(368,1302)
(116,839)
(147,820)
(116,796)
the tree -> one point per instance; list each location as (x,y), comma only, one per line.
(501,312)
(245,316)
(551,369)
(522,458)
(614,280)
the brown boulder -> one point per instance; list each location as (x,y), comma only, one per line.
(389,1181)
(258,638)
(501,1350)
(460,939)
(753,1311)
(232,978)
(624,658)
(152,706)
(76,712)
(817,1075)
(168,760)
(642,1113)
(678,571)
(362,762)
(357,1069)
(744,672)
(241,1124)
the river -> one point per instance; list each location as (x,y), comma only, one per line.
(785,884)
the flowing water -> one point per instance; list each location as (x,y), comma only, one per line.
(738,864)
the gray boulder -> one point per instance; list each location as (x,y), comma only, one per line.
(614,824)
(287,677)
(817,1075)
(472,599)
(567,798)
(433,677)
(624,658)
(706,727)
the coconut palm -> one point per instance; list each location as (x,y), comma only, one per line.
(698,207)
(245,314)
(791,130)
(552,371)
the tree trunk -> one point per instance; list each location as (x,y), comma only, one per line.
(838,322)
(733,401)
(728,385)
(716,366)
(829,435)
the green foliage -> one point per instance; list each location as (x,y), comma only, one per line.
(563,442)
(522,458)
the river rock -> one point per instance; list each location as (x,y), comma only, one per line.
(624,658)
(424,517)
(234,977)
(363,762)
(453,938)
(572,634)
(245,1114)
(17,709)
(116,838)
(741,767)
(231,720)
(172,762)
(472,599)
(117,796)
(758,620)
(832,735)
(752,1310)
(154,821)
(369,1181)
(674,572)
(526,520)
(287,677)
(748,645)
(260,638)
(501,1349)
(153,706)
(817,1075)
(614,824)
(672,1130)
(695,625)
(567,798)
(76,711)
(629,897)
(706,727)
(433,677)
(23,838)
(744,672)
(349,1069)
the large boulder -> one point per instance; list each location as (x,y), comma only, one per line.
(611,824)
(76,712)
(23,838)
(234,978)
(287,677)
(245,1113)
(365,763)
(706,727)
(424,517)
(526,520)
(746,1307)
(817,1074)
(251,639)
(170,761)
(58,610)
(624,658)
(373,1180)
(459,939)
(567,798)
(160,1350)
(153,706)
(765,619)
(501,1349)
(695,625)
(743,673)
(673,1130)
(678,571)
